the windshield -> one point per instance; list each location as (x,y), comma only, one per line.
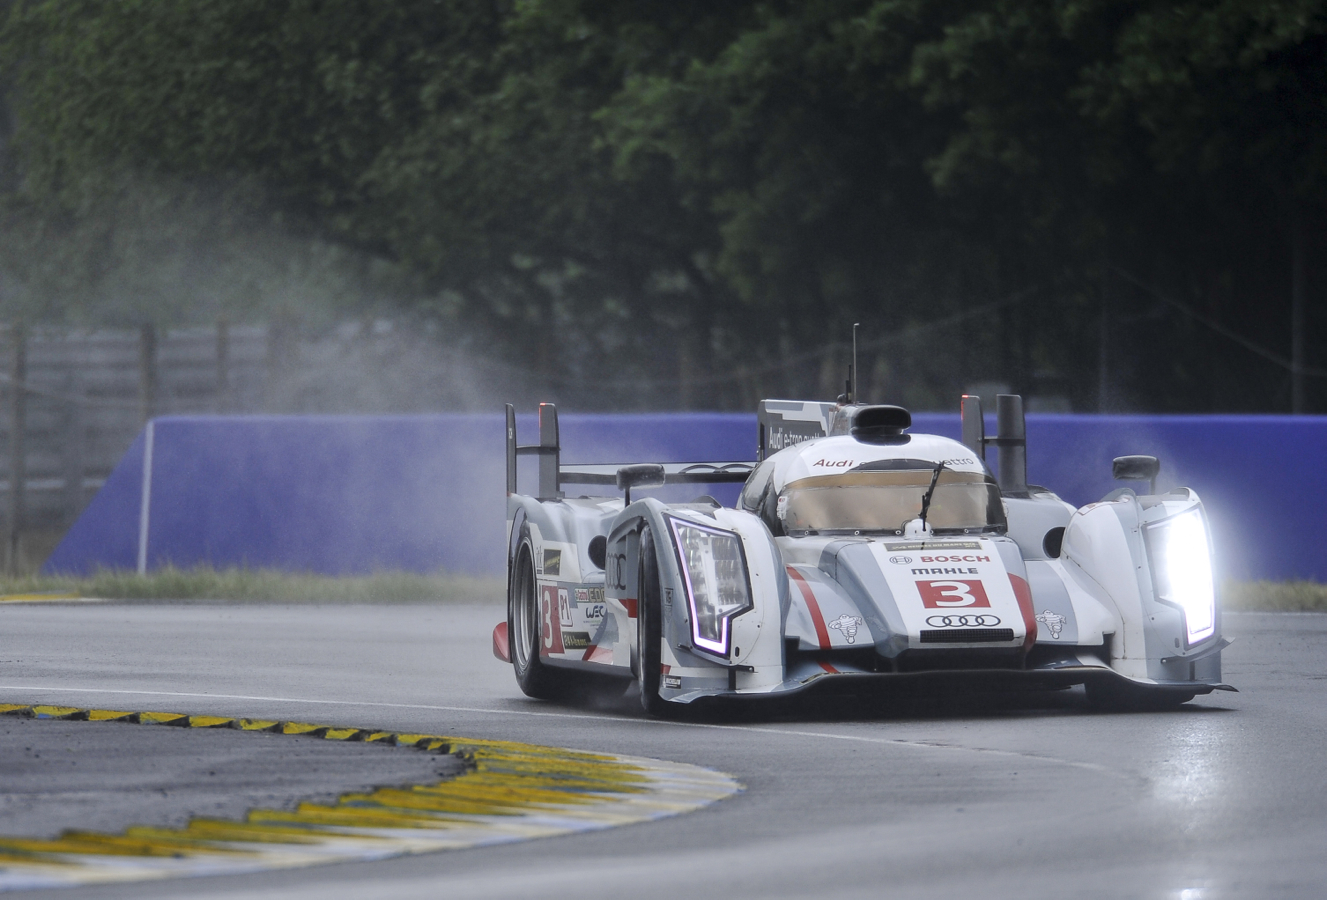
(885,501)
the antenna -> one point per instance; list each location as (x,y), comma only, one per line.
(852,373)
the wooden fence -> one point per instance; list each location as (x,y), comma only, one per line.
(74,400)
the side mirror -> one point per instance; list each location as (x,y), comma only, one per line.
(598,550)
(642,475)
(1137,468)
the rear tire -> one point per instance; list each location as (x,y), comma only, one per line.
(649,631)
(534,677)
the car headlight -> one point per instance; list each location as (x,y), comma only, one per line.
(713,566)
(1181,559)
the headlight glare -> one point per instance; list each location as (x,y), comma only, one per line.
(1181,559)
(713,567)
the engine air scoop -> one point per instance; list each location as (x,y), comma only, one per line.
(880,422)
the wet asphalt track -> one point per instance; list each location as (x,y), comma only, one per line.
(1025,797)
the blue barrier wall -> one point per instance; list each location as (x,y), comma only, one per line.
(352,494)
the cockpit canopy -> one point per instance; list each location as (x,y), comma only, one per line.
(886,501)
(838,485)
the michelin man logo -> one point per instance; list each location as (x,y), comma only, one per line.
(848,625)
(1053,621)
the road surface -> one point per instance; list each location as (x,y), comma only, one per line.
(1032,796)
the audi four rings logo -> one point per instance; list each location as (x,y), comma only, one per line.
(963,621)
(900,560)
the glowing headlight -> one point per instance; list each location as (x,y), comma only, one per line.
(713,568)
(1182,570)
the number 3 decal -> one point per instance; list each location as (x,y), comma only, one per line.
(952,594)
(550,631)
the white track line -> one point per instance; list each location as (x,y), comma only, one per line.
(787,732)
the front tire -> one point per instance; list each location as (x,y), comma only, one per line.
(535,678)
(649,631)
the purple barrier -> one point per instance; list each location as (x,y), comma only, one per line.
(354,494)
(347,494)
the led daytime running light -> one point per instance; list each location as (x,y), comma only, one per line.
(1181,558)
(712,563)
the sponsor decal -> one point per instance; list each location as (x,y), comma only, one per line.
(781,508)
(668,596)
(615,571)
(903,561)
(777,438)
(848,625)
(945,572)
(952,594)
(968,558)
(552,563)
(917,546)
(1053,621)
(564,608)
(832,463)
(590,600)
(550,634)
(672,681)
(576,640)
(959,461)
(978,621)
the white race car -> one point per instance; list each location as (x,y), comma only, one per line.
(858,555)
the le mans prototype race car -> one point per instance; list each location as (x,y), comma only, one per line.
(858,555)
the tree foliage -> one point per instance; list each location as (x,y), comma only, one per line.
(689,203)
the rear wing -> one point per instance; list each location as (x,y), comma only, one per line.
(787,422)
(552,474)
(784,423)
(1010,437)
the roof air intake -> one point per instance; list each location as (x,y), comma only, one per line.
(880,421)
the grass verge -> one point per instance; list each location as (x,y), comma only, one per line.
(1274,596)
(260,586)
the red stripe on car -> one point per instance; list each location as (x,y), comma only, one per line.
(500,643)
(1023,594)
(596,654)
(822,633)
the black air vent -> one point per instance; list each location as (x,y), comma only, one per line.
(967,635)
(881,420)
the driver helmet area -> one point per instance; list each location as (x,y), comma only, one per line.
(839,485)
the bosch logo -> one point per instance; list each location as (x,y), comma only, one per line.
(962,621)
(901,560)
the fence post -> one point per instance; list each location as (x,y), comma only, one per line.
(280,346)
(225,398)
(18,458)
(75,436)
(147,373)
